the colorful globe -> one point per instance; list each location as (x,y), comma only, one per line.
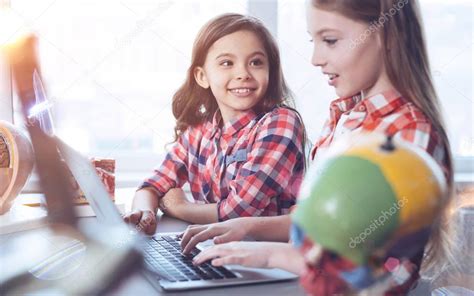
(366,191)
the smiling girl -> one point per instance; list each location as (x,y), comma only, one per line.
(381,73)
(238,144)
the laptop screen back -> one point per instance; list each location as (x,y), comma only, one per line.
(90,183)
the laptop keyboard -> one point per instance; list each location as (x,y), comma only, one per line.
(163,254)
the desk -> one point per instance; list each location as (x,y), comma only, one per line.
(137,284)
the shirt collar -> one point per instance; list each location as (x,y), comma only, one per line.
(343,105)
(376,105)
(382,104)
(234,125)
(358,110)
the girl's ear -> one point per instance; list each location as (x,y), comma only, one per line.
(200,77)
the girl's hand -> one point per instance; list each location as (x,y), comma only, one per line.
(250,254)
(222,232)
(254,254)
(143,220)
(173,202)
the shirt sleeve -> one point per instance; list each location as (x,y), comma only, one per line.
(332,274)
(276,153)
(173,172)
(324,277)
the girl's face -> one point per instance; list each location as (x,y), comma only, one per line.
(348,52)
(237,71)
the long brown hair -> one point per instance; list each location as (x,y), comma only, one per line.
(407,66)
(193,104)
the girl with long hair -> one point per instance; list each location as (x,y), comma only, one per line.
(374,54)
(238,144)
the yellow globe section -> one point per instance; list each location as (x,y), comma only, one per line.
(415,180)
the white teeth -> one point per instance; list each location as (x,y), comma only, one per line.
(240,90)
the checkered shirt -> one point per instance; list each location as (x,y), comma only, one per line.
(391,114)
(251,166)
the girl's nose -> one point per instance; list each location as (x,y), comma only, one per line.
(243,74)
(318,58)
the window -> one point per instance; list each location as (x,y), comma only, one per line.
(111,68)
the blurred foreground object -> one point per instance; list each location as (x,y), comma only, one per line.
(94,259)
(16,163)
(367,192)
(22,57)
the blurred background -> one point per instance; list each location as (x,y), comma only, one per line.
(111,68)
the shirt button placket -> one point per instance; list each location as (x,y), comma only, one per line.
(217,140)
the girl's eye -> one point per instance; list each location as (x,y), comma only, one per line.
(226,63)
(330,41)
(256,62)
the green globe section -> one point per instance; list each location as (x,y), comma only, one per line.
(351,208)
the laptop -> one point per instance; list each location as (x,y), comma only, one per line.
(165,265)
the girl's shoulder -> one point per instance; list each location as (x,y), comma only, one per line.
(281,114)
(412,112)
(406,114)
(195,133)
(201,127)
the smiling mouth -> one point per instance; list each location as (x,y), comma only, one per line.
(241,90)
(332,76)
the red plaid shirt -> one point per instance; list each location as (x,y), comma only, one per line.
(252,166)
(391,114)
(386,113)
